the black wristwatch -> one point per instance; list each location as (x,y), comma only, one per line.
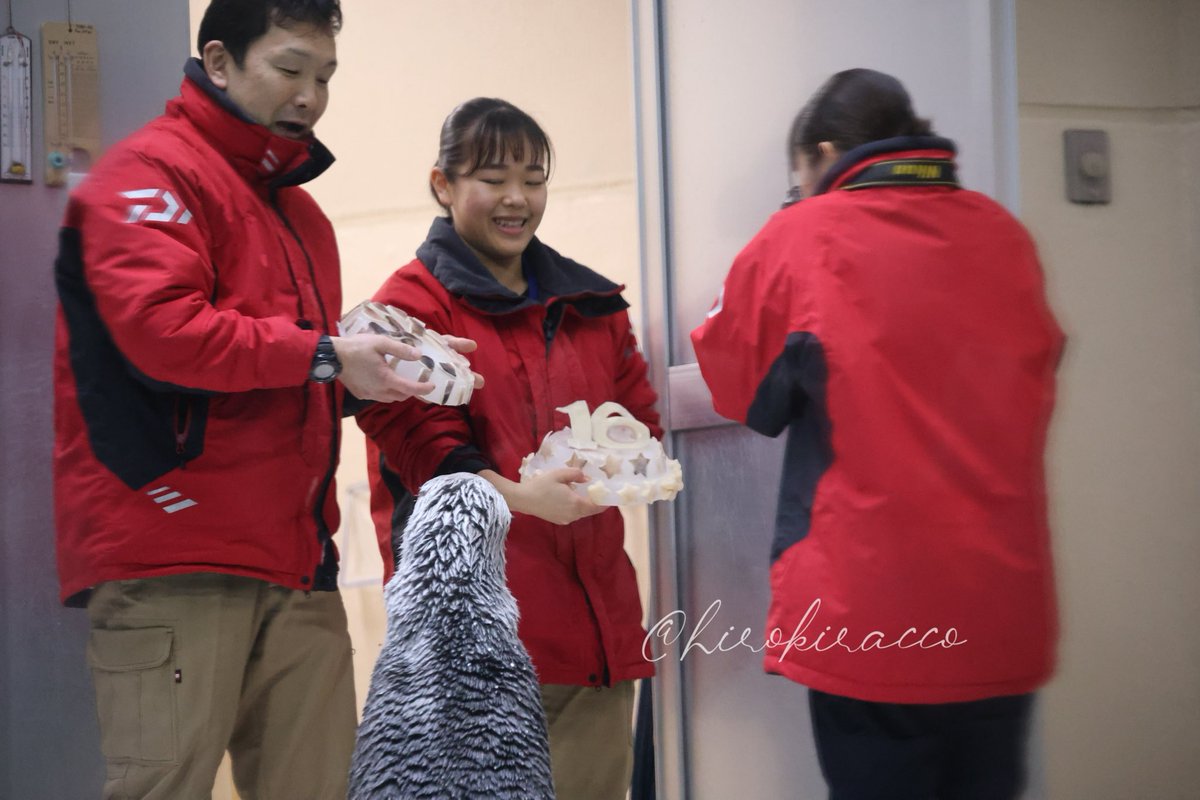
(325,364)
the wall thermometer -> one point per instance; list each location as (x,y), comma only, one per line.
(71,74)
(16,102)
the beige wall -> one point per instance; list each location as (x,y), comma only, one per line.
(1120,719)
(402,66)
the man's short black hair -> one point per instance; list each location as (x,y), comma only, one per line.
(237,23)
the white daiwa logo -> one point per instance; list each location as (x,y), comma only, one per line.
(167,210)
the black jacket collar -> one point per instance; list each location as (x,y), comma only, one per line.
(254,140)
(559,279)
(851,158)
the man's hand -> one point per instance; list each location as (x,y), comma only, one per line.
(366,373)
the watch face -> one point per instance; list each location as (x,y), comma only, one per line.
(324,372)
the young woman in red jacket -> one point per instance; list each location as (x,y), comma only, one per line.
(895,324)
(550,332)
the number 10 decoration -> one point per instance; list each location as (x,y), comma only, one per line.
(622,463)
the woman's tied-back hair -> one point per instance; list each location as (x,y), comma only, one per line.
(236,24)
(484,131)
(852,108)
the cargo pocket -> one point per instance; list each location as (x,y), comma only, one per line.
(135,693)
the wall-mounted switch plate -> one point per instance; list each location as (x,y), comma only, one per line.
(1085,154)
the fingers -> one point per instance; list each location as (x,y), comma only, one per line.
(385,388)
(397,388)
(366,373)
(371,347)
(550,496)
(583,507)
(566,475)
(461,344)
(385,345)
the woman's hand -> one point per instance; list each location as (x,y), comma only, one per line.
(460,344)
(549,496)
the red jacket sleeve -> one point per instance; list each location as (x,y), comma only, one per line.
(747,329)
(633,389)
(152,279)
(414,436)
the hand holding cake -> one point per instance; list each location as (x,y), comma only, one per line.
(621,463)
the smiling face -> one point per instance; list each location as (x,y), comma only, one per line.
(496,209)
(283,81)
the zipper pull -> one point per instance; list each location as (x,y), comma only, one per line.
(183,423)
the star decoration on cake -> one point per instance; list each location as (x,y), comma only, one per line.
(611,466)
(639,464)
(577,461)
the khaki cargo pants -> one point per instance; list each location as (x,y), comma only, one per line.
(591,740)
(187,666)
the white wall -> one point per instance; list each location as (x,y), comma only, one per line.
(1120,718)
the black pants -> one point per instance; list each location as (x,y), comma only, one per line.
(947,751)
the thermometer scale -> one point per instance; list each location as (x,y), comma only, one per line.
(16,104)
(70,66)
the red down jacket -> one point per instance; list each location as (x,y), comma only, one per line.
(896,326)
(194,279)
(581,618)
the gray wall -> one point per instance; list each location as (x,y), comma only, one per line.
(48,739)
(736,74)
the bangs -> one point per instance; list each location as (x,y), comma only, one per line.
(500,136)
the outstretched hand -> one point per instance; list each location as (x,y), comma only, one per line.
(365,370)
(548,496)
(463,345)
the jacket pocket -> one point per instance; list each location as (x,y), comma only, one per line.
(131,419)
(135,697)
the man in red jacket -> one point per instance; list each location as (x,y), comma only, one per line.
(895,325)
(198,418)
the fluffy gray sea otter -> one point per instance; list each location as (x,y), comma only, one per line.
(454,711)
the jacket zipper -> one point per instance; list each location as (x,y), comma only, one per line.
(324,535)
(183,425)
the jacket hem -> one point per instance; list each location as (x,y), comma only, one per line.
(573,676)
(904,693)
(76,594)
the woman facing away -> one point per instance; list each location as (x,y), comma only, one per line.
(896,326)
(550,332)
